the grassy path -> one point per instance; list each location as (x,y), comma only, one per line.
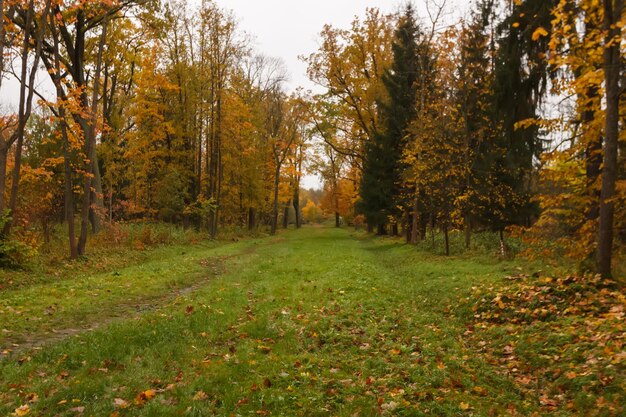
(315,322)
(59,308)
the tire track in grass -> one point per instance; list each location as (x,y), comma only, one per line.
(14,343)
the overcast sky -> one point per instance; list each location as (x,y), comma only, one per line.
(288,29)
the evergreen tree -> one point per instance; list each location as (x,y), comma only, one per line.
(521,77)
(382,190)
(474,97)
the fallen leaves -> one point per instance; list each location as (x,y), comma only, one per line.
(145,396)
(200,396)
(120,403)
(561,332)
(22,410)
(264,349)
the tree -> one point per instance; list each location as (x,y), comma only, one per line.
(350,65)
(613,15)
(382,188)
(521,79)
(29,17)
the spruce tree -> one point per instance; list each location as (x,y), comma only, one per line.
(521,79)
(382,190)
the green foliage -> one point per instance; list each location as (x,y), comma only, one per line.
(200,210)
(170,195)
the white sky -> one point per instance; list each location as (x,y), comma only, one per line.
(288,29)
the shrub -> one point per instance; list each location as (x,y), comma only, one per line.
(13,253)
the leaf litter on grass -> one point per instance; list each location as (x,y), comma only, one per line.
(560,340)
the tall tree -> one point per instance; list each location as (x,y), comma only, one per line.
(382,188)
(613,62)
(521,79)
(29,16)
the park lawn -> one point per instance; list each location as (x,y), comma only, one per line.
(314,322)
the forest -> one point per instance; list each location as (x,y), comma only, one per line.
(151,154)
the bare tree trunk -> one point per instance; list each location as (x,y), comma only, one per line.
(251,218)
(2,41)
(96,194)
(68,196)
(613,10)
(337,219)
(432,231)
(447,238)
(3,175)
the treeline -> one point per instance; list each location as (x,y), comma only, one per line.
(161,110)
(510,120)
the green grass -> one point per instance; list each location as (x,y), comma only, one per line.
(314,322)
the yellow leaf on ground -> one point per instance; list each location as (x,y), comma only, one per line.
(22,410)
(200,395)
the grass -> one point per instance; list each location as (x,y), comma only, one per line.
(314,322)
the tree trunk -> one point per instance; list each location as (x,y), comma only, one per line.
(337,219)
(68,196)
(447,239)
(3,176)
(382,230)
(415,229)
(2,41)
(251,218)
(286,215)
(27,89)
(296,207)
(613,10)
(275,206)
(89,127)
(407,227)
(423,226)
(468,231)
(394,229)
(502,244)
(97,208)
(432,232)
(370,228)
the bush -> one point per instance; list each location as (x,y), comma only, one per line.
(13,253)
